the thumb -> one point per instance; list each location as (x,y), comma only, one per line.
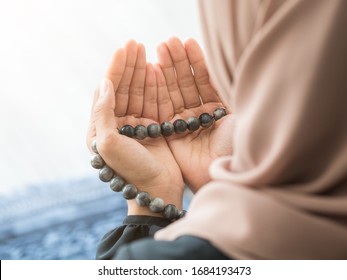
(105,123)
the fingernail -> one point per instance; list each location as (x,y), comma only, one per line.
(104,86)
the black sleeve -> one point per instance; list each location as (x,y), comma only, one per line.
(134,241)
(133,228)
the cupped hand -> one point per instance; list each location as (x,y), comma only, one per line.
(184,90)
(129,96)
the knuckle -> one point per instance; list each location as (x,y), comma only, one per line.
(137,90)
(98,110)
(203,79)
(186,82)
(163,100)
(172,86)
(182,58)
(123,89)
(152,100)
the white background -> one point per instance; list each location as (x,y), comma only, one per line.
(52,56)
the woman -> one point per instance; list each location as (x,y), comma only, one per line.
(277,181)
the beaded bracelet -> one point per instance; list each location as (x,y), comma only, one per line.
(130,191)
(154,130)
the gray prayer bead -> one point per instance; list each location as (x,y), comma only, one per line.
(140,132)
(156,205)
(206,120)
(181,214)
(129,191)
(106,174)
(117,183)
(170,212)
(127,130)
(193,123)
(153,130)
(180,126)
(219,113)
(167,128)
(143,199)
(97,162)
(95,150)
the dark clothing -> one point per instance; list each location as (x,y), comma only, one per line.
(134,241)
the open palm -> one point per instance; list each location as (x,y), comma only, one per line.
(149,164)
(183,93)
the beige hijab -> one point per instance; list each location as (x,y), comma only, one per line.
(283,193)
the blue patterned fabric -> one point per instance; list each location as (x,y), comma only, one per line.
(63,220)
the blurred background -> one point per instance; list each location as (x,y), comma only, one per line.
(52,56)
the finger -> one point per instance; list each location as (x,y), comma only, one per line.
(165,106)
(109,141)
(122,91)
(184,73)
(114,74)
(91,127)
(137,86)
(106,123)
(201,76)
(104,109)
(150,105)
(95,98)
(116,69)
(168,70)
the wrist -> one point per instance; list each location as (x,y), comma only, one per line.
(175,199)
(135,209)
